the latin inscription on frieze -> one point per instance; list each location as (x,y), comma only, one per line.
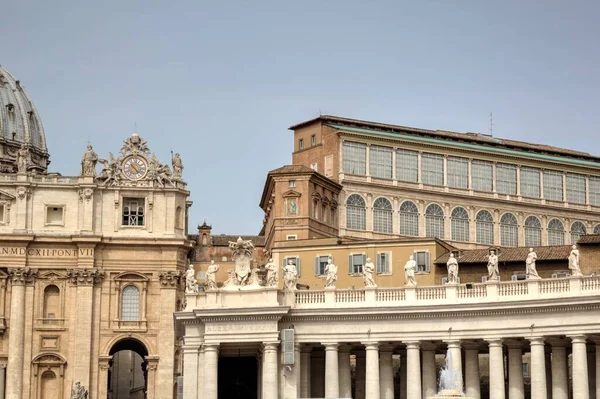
(46,252)
(237,328)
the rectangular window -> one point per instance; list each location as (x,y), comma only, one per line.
(594,189)
(553,185)
(407,165)
(530,182)
(380,162)
(292,183)
(432,169)
(313,140)
(314,166)
(506,179)
(133,211)
(321,263)
(301,144)
(383,262)
(291,237)
(481,175)
(458,172)
(55,215)
(575,188)
(295,260)
(422,259)
(356,263)
(2,215)
(355,158)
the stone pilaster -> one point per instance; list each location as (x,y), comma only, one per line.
(372,367)
(211,371)
(497,365)
(332,382)
(269,371)
(413,370)
(291,376)
(104,363)
(190,370)
(169,284)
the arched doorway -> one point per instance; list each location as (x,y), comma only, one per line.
(127,375)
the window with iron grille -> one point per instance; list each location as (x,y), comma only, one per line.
(506,179)
(355,158)
(434,221)
(130,303)
(356,211)
(553,185)
(422,258)
(409,219)
(533,232)
(383,262)
(484,225)
(382,215)
(575,188)
(380,162)
(597,229)
(556,232)
(133,211)
(356,263)
(577,230)
(407,165)
(460,224)
(530,182)
(509,230)
(432,169)
(458,172)
(594,189)
(481,175)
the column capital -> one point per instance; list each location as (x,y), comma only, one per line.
(22,275)
(453,343)
(494,342)
(86,276)
(413,344)
(371,345)
(190,348)
(210,347)
(270,346)
(578,339)
(330,346)
(169,279)
(536,341)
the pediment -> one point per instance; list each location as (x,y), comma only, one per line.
(51,275)
(49,358)
(292,193)
(131,276)
(6,196)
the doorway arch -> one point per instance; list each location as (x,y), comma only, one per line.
(128,372)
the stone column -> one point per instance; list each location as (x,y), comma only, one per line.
(454,349)
(360,375)
(413,370)
(332,374)
(538,368)
(16,332)
(560,379)
(190,370)
(516,389)
(2,380)
(497,365)
(472,377)
(211,371)
(305,372)
(372,370)
(579,366)
(269,371)
(345,373)
(386,372)
(291,377)
(200,374)
(429,371)
(151,367)
(403,375)
(103,367)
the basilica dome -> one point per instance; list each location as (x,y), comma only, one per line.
(20,126)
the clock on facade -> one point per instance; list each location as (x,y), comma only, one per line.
(135,168)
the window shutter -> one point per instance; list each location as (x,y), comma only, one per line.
(350,268)
(298,266)
(317,271)
(284,263)
(427,266)
(379,264)
(364,261)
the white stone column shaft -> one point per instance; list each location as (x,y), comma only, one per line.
(190,371)
(516,389)
(429,371)
(16,341)
(386,373)
(270,373)
(560,379)
(211,371)
(579,366)
(344,371)
(538,369)
(472,376)
(413,370)
(372,370)
(305,373)
(332,374)
(200,373)
(454,349)
(497,365)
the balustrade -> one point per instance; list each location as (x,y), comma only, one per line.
(513,288)
(391,295)
(431,293)
(346,296)
(554,286)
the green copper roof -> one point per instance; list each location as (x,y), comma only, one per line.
(450,143)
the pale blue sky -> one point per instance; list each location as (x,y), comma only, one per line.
(220,82)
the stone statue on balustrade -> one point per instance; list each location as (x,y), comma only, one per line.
(177,165)
(452,266)
(409,272)
(88,162)
(23,158)
(492,267)
(191,284)
(211,275)
(271,269)
(242,251)
(368,271)
(530,269)
(574,262)
(290,276)
(79,391)
(330,274)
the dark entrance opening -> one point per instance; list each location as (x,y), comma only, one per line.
(127,376)
(238,377)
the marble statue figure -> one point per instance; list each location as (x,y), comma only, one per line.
(242,256)
(330,274)
(78,391)
(492,266)
(88,162)
(368,270)
(211,275)
(409,272)
(290,275)
(177,166)
(452,266)
(574,262)
(23,158)
(271,268)
(191,284)
(530,269)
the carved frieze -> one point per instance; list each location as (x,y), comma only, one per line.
(23,192)
(86,276)
(169,279)
(22,275)
(85,194)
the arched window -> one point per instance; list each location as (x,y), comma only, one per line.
(382,215)
(509,230)
(315,209)
(460,224)
(324,212)
(597,229)
(356,211)
(130,303)
(556,232)
(533,232)
(577,230)
(434,221)
(409,219)
(51,302)
(484,224)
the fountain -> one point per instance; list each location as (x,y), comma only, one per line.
(448,382)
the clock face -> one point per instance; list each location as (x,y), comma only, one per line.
(135,168)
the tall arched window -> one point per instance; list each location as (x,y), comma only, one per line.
(533,232)
(382,215)
(356,213)
(409,219)
(509,230)
(51,302)
(577,230)
(597,229)
(460,224)
(484,224)
(315,209)
(556,232)
(434,221)
(130,303)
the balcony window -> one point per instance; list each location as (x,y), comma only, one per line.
(355,158)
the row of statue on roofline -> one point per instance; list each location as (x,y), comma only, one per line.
(244,276)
